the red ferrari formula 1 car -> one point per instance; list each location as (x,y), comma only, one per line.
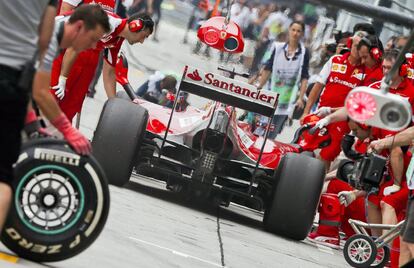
(210,154)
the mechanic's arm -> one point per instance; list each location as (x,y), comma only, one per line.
(46,29)
(67,63)
(397,164)
(57,118)
(109,79)
(338,115)
(68,60)
(42,96)
(403,138)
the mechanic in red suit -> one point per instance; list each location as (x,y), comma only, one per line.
(340,74)
(370,50)
(388,206)
(72,73)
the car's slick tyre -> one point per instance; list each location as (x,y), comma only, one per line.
(118,138)
(60,202)
(297,188)
(360,251)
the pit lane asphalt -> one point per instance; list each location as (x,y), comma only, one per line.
(151,227)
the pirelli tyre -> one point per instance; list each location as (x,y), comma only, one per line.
(60,205)
(118,138)
(297,188)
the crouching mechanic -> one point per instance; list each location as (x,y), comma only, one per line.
(383,207)
(403,138)
(73,73)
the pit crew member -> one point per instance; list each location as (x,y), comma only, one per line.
(370,50)
(403,138)
(72,74)
(339,75)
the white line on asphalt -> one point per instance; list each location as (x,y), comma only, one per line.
(176,252)
(325,249)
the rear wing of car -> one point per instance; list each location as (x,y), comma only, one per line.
(229,91)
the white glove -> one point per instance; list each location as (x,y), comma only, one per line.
(391,189)
(323,111)
(60,87)
(322,123)
(346,197)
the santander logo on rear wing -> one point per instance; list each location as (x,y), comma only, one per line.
(230,91)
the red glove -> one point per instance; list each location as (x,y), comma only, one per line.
(32,126)
(72,135)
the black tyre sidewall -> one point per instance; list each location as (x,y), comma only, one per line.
(40,247)
(118,138)
(297,187)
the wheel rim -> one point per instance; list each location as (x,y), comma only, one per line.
(380,256)
(359,251)
(49,199)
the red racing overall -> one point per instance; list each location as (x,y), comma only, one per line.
(339,77)
(83,70)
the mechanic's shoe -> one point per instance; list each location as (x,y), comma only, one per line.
(332,242)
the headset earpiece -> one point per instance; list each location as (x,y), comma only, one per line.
(136,25)
(376,53)
(373,46)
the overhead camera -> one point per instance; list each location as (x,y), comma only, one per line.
(361,171)
(378,109)
(222,34)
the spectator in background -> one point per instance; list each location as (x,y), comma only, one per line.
(287,69)
(390,43)
(400,41)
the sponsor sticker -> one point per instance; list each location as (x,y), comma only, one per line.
(57,156)
(230,86)
(247,142)
(339,68)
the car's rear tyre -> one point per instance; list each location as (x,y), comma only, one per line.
(60,205)
(297,188)
(118,138)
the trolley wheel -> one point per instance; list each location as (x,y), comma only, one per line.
(360,251)
(383,256)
